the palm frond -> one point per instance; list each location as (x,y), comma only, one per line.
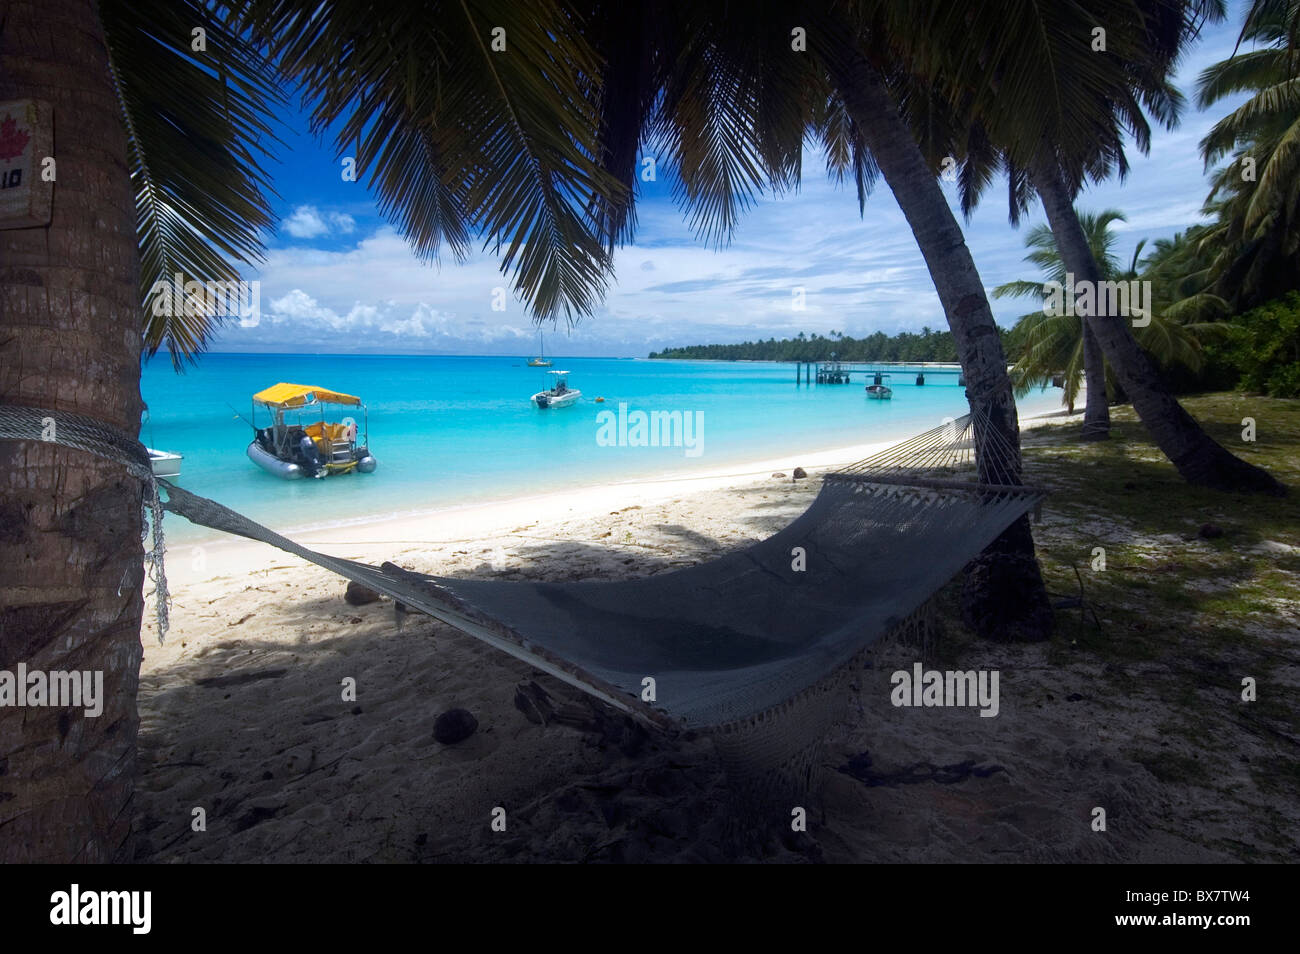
(1019,289)
(458,138)
(198,131)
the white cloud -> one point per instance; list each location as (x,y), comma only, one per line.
(860,273)
(307,222)
(301,318)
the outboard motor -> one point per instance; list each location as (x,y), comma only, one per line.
(311,457)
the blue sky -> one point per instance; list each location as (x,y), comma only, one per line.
(339,279)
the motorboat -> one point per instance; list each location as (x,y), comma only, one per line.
(559,394)
(165,463)
(162,463)
(300,439)
(879,390)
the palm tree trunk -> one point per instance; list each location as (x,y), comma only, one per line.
(1096,411)
(1197,456)
(70,523)
(1004,596)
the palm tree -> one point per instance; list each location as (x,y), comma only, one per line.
(1257,234)
(1054,343)
(1065,125)
(946,132)
(1059,342)
(865,132)
(156,173)
(160,132)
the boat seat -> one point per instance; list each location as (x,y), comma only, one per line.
(330,439)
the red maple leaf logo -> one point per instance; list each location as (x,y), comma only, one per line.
(12,139)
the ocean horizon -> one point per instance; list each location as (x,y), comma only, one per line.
(457,430)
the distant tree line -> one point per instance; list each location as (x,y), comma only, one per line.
(908,346)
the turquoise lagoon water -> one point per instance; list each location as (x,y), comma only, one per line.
(450,431)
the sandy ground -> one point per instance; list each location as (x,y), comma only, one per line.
(244,716)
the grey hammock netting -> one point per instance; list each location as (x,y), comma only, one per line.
(737,639)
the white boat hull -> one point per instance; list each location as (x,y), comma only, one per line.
(165,463)
(545,399)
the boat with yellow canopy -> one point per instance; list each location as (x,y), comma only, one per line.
(300,439)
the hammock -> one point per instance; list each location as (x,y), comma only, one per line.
(754,647)
(733,642)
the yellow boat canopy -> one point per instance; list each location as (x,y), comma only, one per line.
(300,395)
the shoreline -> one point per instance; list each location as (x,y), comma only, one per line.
(370,538)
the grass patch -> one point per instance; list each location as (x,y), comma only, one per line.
(1184,613)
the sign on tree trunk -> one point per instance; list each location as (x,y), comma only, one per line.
(26,163)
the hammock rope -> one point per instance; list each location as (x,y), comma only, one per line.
(78,431)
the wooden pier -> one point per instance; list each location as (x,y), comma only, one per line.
(842,372)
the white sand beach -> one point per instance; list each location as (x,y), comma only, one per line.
(243,713)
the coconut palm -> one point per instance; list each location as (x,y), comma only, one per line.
(161,109)
(157,173)
(1064,125)
(1061,343)
(866,134)
(1053,344)
(1255,197)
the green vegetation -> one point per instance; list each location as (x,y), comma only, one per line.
(905,346)
(1264,347)
(1250,254)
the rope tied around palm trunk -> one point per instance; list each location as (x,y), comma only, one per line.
(88,434)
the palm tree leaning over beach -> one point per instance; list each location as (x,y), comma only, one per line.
(1051,122)
(1003,593)
(731,101)
(847,89)
(1055,343)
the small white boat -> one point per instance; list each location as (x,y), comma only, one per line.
(559,395)
(880,391)
(165,463)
